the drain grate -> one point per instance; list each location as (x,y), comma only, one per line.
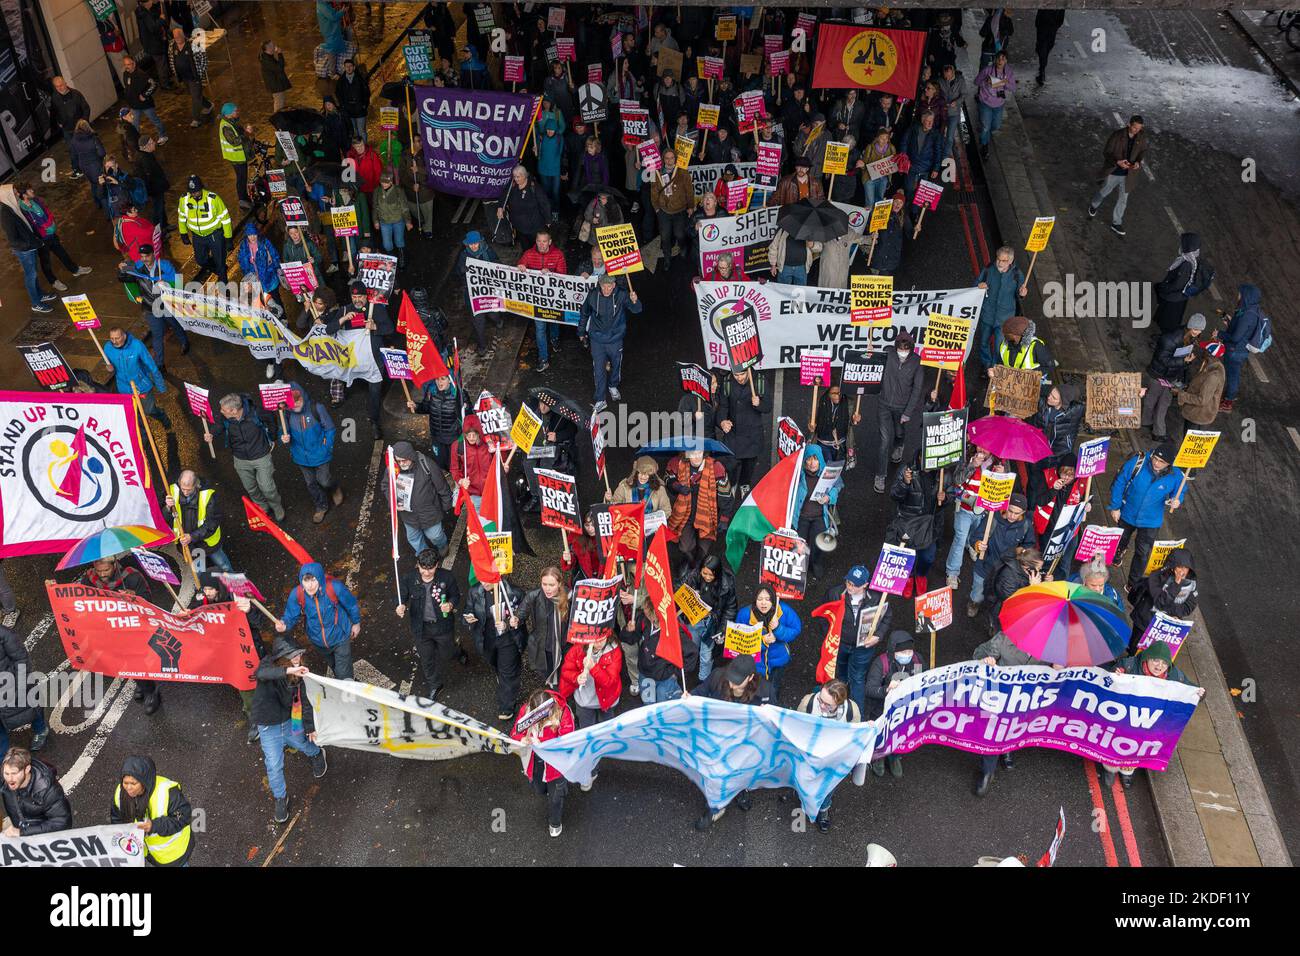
(40,330)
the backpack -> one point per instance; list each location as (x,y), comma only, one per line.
(134,187)
(250,413)
(1262,337)
(329,593)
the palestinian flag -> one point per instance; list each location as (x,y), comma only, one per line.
(770,506)
(480,551)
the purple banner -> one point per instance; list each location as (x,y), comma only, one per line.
(473,138)
(1125,720)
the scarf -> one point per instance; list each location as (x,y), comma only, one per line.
(295,712)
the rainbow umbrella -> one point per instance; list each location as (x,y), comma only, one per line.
(111,542)
(1064,623)
(1009,438)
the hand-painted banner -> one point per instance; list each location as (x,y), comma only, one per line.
(109,845)
(548,296)
(1125,720)
(364,717)
(70,465)
(793,319)
(117,634)
(722,747)
(473,138)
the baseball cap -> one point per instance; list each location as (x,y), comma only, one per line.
(741,669)
(857,576)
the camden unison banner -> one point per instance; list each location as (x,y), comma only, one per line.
(1125,720)
(70,465)
(473,138)
(108,632)
(548,296)
(793,319)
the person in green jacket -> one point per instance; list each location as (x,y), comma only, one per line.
(392,215)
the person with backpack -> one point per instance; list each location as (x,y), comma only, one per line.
(284,718)
(1146,485)
(429,598)
(248,437)
(34,800)
(896,664)
(151,274)
(330,615)
(310,437)
(440,400)
(423,498)
(121,190)
(1249,330)
(830,701)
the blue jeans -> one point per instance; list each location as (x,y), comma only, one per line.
(28,261)
(153,118)
(962,524)
(876,189)
(158,325)
(600,353)
(546,332)
(274,738)
(657,691)
(394,234)
(852,666)
(793,275)
(989,335)
(950,134)
(977,585)
(338,658)
(39,726)
(990,120)
(552,186)
(434,535)
(1110,184)
(1233,360)
(699,634)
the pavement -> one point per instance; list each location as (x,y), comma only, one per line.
(373,810)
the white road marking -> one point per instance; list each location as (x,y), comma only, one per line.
(39,631)
(363,519)
(1079,46)
(1219,807)
(1295,436)
(82,765)
(1174,219)
(1096,79)
(1255,366)
(1118,119)
(1209,793)
(368,673)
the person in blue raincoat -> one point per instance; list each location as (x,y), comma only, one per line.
(1146,485)
(550,156)
(130,362)
(329,612)
(258,258)
(812,512)
(781,625)
(310,438)
(1002,282)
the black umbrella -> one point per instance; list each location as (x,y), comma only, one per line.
(594,189)
(329,175)
(395,91)
(816,222)
(564,406)
(299,122)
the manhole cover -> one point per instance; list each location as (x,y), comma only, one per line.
(42,330)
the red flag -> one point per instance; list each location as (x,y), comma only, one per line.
(868,58)
(422,352)
(629,537)
(480,551)
(659,588)
(958,400)
(832,613)
(259,520)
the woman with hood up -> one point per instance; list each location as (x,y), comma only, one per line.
(1186,278)
(550,154)
(1171,590)
(919,521)
(471,460)
(899,661)
(781,625)
(165,826)
(1236,336)
(1059,416)
(812,511)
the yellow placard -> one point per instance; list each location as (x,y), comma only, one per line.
(389,117)
(691,605)
(1160,550)
(619,249)
(81,311)
(871,300)
(836,161)
(880,215)
(725,28)
(995,488)
(503,550)
(1039,235)
(525,428)
(343,217)
(707,117)
(743,639)
(1195,449)
(943,343)
(683,146)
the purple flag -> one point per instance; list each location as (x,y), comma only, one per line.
(473,138)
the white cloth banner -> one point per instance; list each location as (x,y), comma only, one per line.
(793,319)
(722,747)
(731,234)
(111,845)
(228,320)
(70,465)
(704,178)
(364,717)
(346,355)
(549,296)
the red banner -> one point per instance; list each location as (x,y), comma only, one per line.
(832,613)
(422,352)
(259,520)
(119,635)
(659,588)
(629,536)
(869,58)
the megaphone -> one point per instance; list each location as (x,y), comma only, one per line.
(828,540)
(877,855)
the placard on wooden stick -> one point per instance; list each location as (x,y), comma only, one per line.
(1013,391)
(1114,400)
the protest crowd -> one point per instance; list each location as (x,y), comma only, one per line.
(733,154)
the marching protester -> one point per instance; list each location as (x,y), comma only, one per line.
(339,608)
(158,808)
(715,584)
(1155,661)
(780,625)
(1003,283)
(964,489)
(134,369)
(546,725)
(1012,529)
(601,328)
(660,678)
(1247,330)
(423,499)
(545,614)
(440,401)
(34,800)
(831,430)
(899,661)
(431,596)
(1169,369)
(592,677)
(474,246)
(1171,589)
(19,709)
(544,256)
(285,718)
(740,683)
(248,437)
(743,401)
(1200,400)
(1146,485)
(1186,278)
(471,461)
(525,208)
(310,437)
(992,85)
(196,517)
(1122,157)
(499,636)
(812,509)
(918,522)
(643,485)
(998,651)
(695,481)
(830,701)
(899,402)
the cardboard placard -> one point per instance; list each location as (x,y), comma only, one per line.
(1014,391)
(1114,400)
(872,300)
(666,60)
(751,64)
(525,428)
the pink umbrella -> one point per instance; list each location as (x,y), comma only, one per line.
(1009,438)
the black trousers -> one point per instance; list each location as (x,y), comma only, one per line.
(503,655)
(52,244)
(1143,539)
(434,651)
(554,792)
(210,256)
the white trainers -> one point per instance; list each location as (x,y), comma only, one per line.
(953,581)
(556,831)
(83,271)
(60,285)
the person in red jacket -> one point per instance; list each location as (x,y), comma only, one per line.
(592,675)
(545,256)
(555,721)
(369,168)
(586,556)
(471,461)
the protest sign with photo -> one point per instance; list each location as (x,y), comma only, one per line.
(933,610)
(783,565)
(1114,400)
(592,609)
(300,277)
(944,438)
(1014,391)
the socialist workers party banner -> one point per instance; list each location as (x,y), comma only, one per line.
(473,138)
(792,319)
(345,356)
(747,236)
(888,61)
(108,632)
(226,319)
(116,844)
(364,717)
(1125,720)
(548,296)
(70,465)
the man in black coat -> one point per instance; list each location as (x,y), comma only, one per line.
(740,418)
(153,39)
(898,403)
(430,596)
(499,638)
(137,90)
(33,799)
(183,63)
(16,664)
(68,105)
(423,498)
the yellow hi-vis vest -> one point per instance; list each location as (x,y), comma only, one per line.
(1024,359)
(161,849)
(232,147)
(205,495)
(203,216)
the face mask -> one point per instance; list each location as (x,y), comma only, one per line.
(902,356)
(903,659)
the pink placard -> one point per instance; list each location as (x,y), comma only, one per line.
(565,49)
(299,277)
(778,63)
(927,194)
(814,369)
(274,395)
(595,73)
(737,194)
(198,399)
(514,69)
(1098,539)
(239,586)
(649,153)
(772,42)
